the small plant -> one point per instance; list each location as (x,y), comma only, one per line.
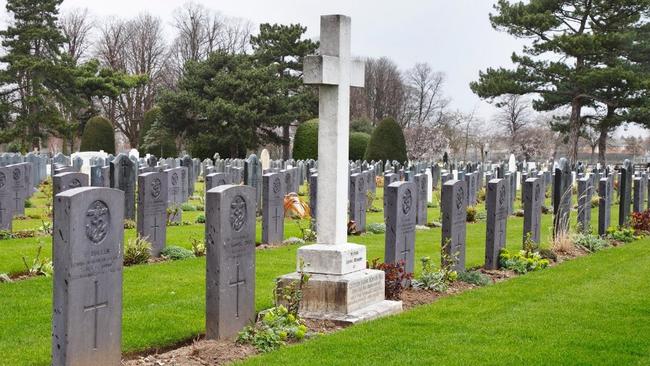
(173,211)
(35,216)
(482,194)
(276,326)
(522,262)
(39,266)
(471,214)
(137,251)
(481,216)
(595,201)
(291,294)
(519,213)
(6,234)
(200,219)
(475,278)
(46,190)
(370,196)
(188,207)
(376,228)
(623,235)
(29,203)
(46,228)
(590,243)
(200,207)
(548,254)
(396,277)
(129,224)
(293,241)
(176,253)
(640,221)
(435,280)
(22,234)
(562,242)
(198,247)
(308,233)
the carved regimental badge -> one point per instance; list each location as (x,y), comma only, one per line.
(276,185)
(174,179)
(3,180)
(238,213)
(460,196)
(537,192)
(75,183)
(407,201)
(97,221)
(16,174)
(156,186)
(502,194)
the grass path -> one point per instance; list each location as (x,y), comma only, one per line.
(591,311)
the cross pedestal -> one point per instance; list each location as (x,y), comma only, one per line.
(340,287)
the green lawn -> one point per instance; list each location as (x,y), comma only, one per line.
(591,311)
(164,303)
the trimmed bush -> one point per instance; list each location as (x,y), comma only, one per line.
(98,135)
(362,125)
(358,144)
(176,253)
(387,142)
(305,143)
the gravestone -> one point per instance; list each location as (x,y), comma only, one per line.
(272,209)
(253,176)
(65,181)
(421,199)
(152,210)
(265,159)
(604,204)
(533,196)
(454,215)
(215,180)
(400,224)
(6,199)
(100,176)
(18,189)
(562,197)
(625,192)
(496,202)
(123,178)
(230,260)
(175,194)
(313,194)
(639,194)
(87,286)
(186,162)
(358,201)
(584,204)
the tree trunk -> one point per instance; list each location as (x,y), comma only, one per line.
(574,130)
(286,147)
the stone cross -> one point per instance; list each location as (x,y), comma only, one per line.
(152,210)
(334,72)
(230,260)
(496,202)
(87,254)
(272,208)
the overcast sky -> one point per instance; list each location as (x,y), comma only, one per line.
(454,36)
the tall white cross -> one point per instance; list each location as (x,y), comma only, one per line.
(334,71)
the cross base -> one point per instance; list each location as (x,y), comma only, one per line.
(350,298)
(328,259)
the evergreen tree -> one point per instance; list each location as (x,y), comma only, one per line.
(387,142)
(282,47)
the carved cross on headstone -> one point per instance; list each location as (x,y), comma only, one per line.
(279,219)
(155,227)
(95,309)
(17,199)
(2,213)
(334,72)
(406,250)
(238,282)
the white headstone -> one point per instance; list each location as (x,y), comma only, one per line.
(265,159)
(512,164)
(429,185)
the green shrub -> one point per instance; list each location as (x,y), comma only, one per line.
(176,253)
(39,266)
(198,247)
(28,203)
(129,224)
(98,135)
(305,143)
(548,254)
(471,213)
(590,243)
(200,219)
(188,207)
(6,234)
(432,279)
(475,278)
(387,142)
(376,228)
(358,144)
(276,327)
(522,261)
(136,251)
(362,125)
(293,241)
(624,235)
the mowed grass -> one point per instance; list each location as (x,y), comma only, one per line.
(591,311)
(164,303)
